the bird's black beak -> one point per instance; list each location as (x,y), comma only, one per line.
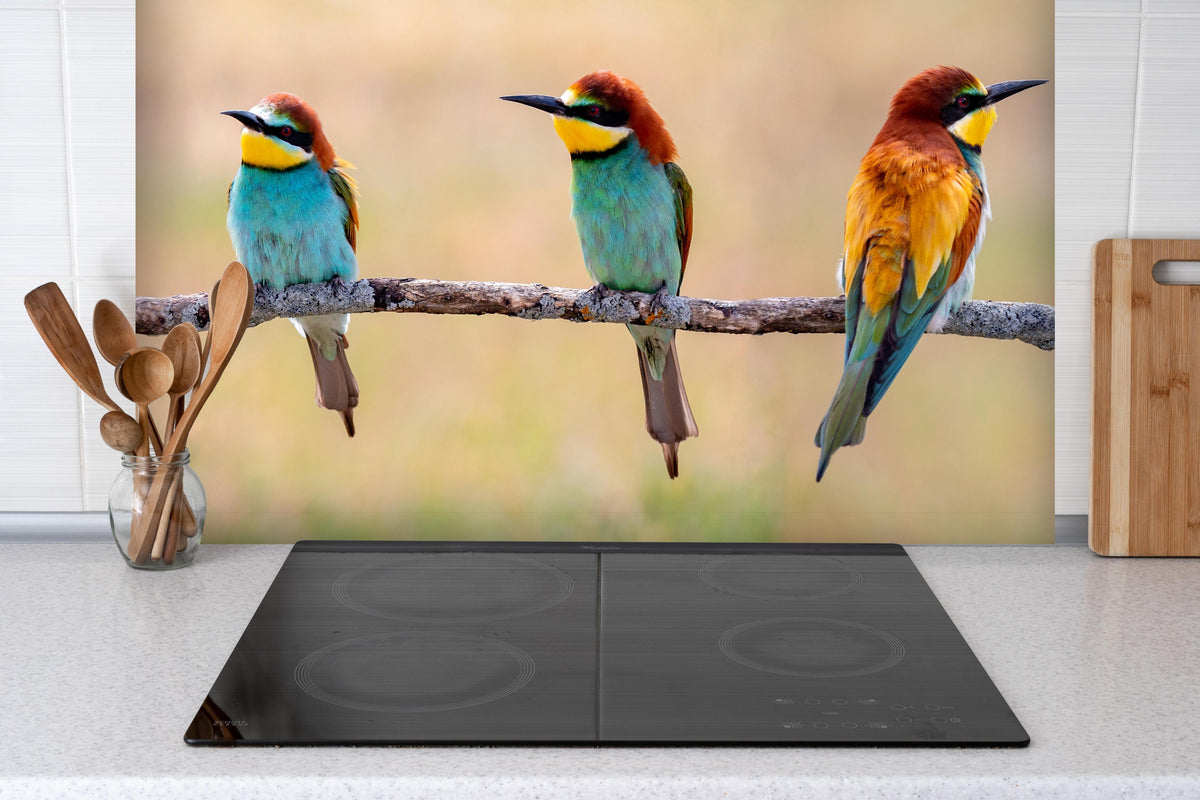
(998,91)
(551,105)
(251,121)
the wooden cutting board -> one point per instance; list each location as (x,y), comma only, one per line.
(1145,498)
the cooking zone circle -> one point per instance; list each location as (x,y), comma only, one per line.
(812,647)
(414,671)
(447,588)
(781,577)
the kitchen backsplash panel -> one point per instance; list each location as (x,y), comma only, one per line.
(67,204)
(481,427)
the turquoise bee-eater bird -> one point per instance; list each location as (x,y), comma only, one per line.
(293,218)
(632,207)
(915,220)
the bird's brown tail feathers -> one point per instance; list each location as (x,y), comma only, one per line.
(337,389)
(668,415)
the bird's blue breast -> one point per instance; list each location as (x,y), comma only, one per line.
(288,226)
(624,210)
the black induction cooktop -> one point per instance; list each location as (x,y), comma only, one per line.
(544,643)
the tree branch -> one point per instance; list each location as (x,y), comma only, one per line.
(1032,323)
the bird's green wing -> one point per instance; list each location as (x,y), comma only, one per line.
(347,189)
(683,212)
(906,321)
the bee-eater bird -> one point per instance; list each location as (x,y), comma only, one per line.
(632,207)
(293,218)
(915,219)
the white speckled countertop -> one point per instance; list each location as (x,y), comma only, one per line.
(102,668)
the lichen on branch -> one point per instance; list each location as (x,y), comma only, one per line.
(1032,323)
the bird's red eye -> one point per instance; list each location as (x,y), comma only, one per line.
(963,102)
(285,132)
(593,111)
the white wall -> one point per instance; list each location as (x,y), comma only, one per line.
(1127,164)
(66,215)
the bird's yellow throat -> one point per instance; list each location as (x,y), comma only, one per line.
(263,151)
(581,136)
(975,127)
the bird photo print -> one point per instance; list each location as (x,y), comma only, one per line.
(293,218)
(833,201)
(632,205)
(914,224)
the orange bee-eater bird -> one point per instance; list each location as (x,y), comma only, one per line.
(293,218)
(915,220)
(632,207)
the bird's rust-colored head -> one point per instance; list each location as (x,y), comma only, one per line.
(283,131)
(599,111)
(948,98)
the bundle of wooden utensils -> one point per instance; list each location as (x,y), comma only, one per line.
(162,522)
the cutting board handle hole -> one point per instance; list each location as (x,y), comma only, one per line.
(1173,273)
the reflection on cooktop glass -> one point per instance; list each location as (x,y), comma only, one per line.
(547,643)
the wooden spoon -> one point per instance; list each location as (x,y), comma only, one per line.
(60,330)
(112,331)
(144,376)
(230,316)
(180,347)
(115,338)
(172,533)
(121,432)
(195,336)
(152,437)
(212,303)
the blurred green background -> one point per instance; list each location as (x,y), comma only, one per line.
(497,428)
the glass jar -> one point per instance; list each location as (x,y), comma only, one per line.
(166,536)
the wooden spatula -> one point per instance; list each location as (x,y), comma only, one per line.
(59,328)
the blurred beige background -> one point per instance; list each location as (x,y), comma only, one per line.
(495,428)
